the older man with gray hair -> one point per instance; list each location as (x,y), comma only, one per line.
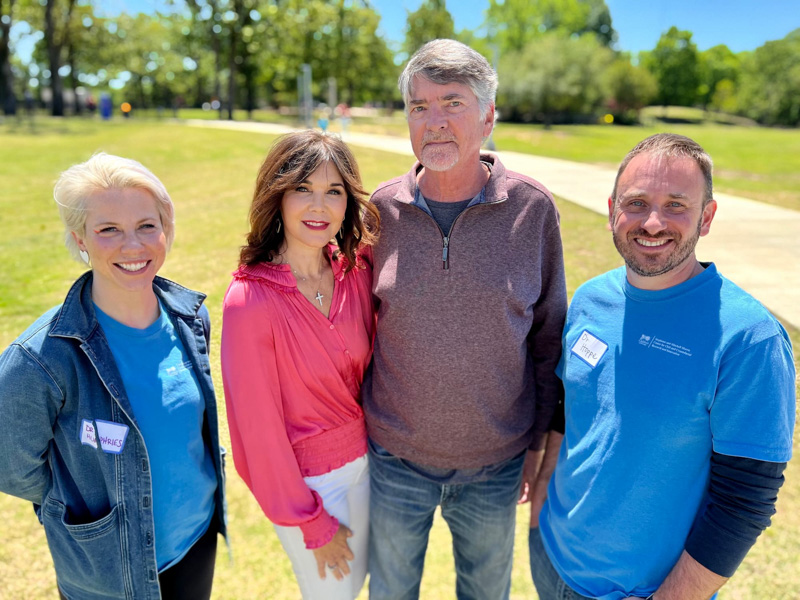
(469,279)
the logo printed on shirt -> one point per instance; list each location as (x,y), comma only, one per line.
(112,436)
(184,366)
(88,433)
(589,348)
(657,343)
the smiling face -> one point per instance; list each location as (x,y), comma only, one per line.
(312,212)
(125,241)
(658,218)
(445,124)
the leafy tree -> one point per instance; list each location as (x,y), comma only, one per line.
(724,98)
(430,21)
(206,17)
(554,77)
(770,82)
(717,64)
(630,89)
(88,48)
(514,23)
(57,21)
(674,63)
(337,39)
(230,28)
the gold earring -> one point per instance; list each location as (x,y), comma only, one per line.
(278,229)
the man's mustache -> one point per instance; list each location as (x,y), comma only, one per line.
(437,137)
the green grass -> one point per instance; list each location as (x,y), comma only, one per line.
(754,162)
(210,175)
(758,163)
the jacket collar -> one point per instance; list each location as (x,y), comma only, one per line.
(77,317)
(495,189)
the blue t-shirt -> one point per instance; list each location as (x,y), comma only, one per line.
(654,381)
(169,410)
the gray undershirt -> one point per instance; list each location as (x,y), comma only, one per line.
(445,213)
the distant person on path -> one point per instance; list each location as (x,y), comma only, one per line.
(108,420)
(469,278)
(680,404)
(298,323)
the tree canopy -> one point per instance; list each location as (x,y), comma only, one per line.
(674,62)
(557,58)
(430,21)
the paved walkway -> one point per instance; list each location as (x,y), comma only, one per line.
(751,242)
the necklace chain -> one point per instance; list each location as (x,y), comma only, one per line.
(318,297)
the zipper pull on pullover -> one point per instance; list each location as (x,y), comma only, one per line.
(445,258)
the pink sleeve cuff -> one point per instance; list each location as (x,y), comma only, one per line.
(319,530)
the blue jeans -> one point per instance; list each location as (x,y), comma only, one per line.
(480,515)
(546,579)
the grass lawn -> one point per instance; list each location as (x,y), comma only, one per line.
(754,162)
(210,176)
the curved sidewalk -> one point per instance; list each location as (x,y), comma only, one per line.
(751,242)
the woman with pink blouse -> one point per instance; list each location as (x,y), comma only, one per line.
(298,324)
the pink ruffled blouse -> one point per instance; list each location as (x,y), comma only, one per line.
(292,381)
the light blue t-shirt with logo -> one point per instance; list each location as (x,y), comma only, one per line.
(169,409)
(654,381)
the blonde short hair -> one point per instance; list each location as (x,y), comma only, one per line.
(105,172)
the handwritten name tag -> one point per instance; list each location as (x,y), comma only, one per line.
(88,434)
(111,435)
(589,349)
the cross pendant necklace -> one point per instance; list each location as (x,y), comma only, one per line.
(319,295)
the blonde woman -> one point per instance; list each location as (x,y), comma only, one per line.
(108,420)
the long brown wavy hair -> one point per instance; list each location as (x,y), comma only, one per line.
(292,158)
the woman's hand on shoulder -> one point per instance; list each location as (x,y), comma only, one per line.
(335,555)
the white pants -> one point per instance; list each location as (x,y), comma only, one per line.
(345,495)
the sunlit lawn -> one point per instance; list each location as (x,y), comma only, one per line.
(754,162)
(210,176)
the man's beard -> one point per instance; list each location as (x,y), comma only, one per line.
(651,266)
(439,157)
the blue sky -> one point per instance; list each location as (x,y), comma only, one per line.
(739,24)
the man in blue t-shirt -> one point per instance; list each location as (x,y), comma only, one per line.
(679,406)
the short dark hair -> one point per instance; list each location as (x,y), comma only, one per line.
(671,145)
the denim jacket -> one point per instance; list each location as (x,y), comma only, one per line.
(95,504)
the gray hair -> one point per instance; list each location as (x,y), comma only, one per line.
(449,61)
(104,172)
(672,145)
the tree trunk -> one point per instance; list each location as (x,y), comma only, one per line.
(55,44)
(54,60)
(6,75)
(73,79)
(217,69)
(232,71)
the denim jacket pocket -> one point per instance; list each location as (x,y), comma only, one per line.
(87,557)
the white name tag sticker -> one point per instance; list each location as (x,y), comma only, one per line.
(111,435)
(589,348)
(88,433)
